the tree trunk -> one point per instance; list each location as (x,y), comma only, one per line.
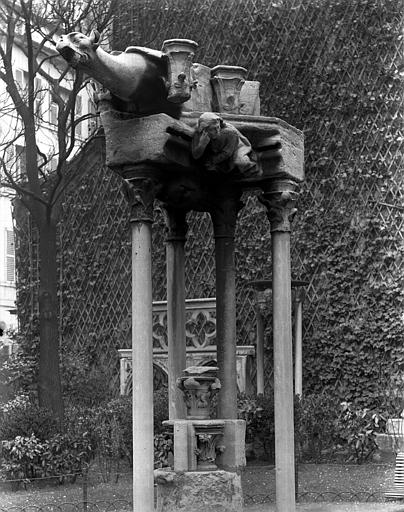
(49,383)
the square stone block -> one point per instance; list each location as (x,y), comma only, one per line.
(200,491)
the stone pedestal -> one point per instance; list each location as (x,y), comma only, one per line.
(204,491)
(387,446)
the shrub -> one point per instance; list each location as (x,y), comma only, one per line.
(21,418)
(316,425)
(25,458)
(357,428)
(113,435)
(163,450)
(160,400)
(83,384)
(67,454)
(19,372)
(22,457)
(258,413)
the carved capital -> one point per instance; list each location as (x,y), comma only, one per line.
(279,202)
(180,53)
(227,82)
(176,224)
(223,211)
(140,193)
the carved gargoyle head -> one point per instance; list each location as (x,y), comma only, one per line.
(77,48)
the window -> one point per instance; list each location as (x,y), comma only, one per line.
(40,94)
(19,78)
(10,256)
(20,163)
(15,160)
(54,110)
(78,110)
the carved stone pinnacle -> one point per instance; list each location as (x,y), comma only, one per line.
(280,202)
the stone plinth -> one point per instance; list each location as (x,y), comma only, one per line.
(204,491)
(197,443)
(387,447)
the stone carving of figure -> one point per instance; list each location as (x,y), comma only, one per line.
(222,147)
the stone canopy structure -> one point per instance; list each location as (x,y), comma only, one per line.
(192,138)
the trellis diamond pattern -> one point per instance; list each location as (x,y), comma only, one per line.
(316,61)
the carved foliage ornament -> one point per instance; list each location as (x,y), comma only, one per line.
(140,193)
(280,208)
(208,449)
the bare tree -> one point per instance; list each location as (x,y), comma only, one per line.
(45,101)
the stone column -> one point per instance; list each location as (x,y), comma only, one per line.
(177,229)
(224,212)
(140,193)
(298,307)
(279,200)
(260,304)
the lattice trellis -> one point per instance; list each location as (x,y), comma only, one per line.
(313,58)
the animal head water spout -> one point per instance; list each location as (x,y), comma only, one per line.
(77,48)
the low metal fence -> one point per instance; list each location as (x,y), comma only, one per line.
(317,496)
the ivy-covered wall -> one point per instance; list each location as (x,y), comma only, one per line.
(332,69)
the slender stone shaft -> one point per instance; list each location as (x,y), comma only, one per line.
(298,345)
(176,310)
(224,216)
(260,348)
(226,327)
(279,202)
(283,372)
(140,195)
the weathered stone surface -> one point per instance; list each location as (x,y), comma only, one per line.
(201,91)
(207,491)
(160,140)
(233,457)
(250,104)
(137,140)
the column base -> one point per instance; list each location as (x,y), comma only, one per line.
(199,491)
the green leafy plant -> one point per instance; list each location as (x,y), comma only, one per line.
(357,428)
(22,458)
(21,418)
(84,384)
(316,425)
(163,450)
(160,404)
(258,413)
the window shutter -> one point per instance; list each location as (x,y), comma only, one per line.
(54,109)
(10,256)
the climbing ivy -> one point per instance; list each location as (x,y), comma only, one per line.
(331,69)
